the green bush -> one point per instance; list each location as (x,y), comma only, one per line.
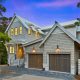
(3,54)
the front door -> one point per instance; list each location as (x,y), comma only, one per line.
(20,53)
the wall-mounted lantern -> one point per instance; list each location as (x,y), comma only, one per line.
(58,50)
(33,50)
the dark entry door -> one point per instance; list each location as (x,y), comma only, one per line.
(35,61)
(59,62)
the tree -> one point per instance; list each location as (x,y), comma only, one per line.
(78,4)
(4,37)
(2,10)
(4,21)
(78,22)
(3,52)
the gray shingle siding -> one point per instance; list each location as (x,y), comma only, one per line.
(36,45)
(78,35)
(59,36)
(24,36)
(65,43)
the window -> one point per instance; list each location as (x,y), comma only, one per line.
(16,31)
(20,30)
(29,31)
(37,34)
(11,49)
(12,31)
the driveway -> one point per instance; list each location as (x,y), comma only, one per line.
(14,73)
(31,77)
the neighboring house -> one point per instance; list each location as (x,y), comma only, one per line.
(56,48)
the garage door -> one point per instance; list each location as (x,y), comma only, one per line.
(59,62)
(35,61)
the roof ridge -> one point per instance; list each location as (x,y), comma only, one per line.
(63,29)
(32,42)
(61,23)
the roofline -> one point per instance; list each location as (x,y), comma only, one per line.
(10,23)
(64,24)
(62,28)
(33,42)
(25,25)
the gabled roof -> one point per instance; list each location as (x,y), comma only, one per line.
(26,24)
(10,23)
(33,42)
(64,24)
(63,29)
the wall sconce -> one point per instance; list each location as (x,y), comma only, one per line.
(33,50)
(58,50)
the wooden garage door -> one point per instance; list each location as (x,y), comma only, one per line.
(59,62)
(35,61)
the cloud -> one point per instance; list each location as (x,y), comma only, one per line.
(58,3)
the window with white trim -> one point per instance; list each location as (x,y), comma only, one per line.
(20,30)
(37,34)
(16,31)
(29,31)
(11,49)
(12,31)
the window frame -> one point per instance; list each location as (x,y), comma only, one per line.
(11,49)
(12,31)
(29,31)
(37,34)
(16,31)
(20,30)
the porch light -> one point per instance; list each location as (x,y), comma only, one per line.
(58,50)
(33,50)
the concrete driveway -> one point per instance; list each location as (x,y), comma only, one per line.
(14,73)
(31,77)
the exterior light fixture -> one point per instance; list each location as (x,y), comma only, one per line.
(58,50)
(33,50)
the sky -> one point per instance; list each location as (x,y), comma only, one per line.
(43,12)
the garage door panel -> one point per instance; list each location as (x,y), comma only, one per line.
(35,61)
(59,62)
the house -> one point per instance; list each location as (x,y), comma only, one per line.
(56,48)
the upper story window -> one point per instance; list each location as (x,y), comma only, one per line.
(37,34)
(12,31)
(11,49)
(16,31)
(20,30)
(29,31)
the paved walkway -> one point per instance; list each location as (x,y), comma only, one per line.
(31,77)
